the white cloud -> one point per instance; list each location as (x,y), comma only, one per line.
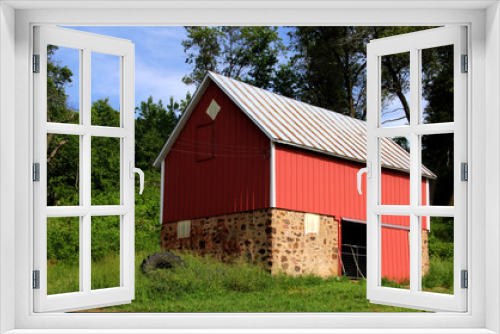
(161,83)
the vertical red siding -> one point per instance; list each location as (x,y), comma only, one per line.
(395,254)
(312,182)
(236,179)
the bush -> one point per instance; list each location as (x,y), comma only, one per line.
(440,274)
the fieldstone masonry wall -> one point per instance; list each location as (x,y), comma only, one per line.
(425,252)
(295,253)
(273,236)
(246,234)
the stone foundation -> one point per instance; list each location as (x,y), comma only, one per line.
(246,234)
(425,252)
(295,253)
(273,236)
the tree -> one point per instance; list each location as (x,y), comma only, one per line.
(438,150)
(330,63)
(62,150)
(154,125)
(249,54)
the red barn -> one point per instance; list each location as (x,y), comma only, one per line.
(253,173)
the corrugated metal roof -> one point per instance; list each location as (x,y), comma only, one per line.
(297,123)
(300,124)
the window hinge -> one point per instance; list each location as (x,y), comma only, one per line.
(36,279)
(36,172)
(464,171)
(465,279)
(36,63)
(465,64)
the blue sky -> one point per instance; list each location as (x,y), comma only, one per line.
(159,64)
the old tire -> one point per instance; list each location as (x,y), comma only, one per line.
(163,260)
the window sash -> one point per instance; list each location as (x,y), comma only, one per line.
(414,297)
(86,297)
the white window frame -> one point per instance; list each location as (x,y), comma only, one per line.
(484,101)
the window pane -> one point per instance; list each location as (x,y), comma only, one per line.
(437,254)
(105,269)
(63,84)
(438,173)
(395,251)
(105,89)
(437,85)
(63,170)
(395,90)
(63,249)
(395,173)
(105,171)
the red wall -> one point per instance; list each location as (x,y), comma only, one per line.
(328,185)
(230,174)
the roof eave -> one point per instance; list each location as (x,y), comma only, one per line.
(209,77)
(308,148)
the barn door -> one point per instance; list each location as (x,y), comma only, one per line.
(83,170)
(423,108)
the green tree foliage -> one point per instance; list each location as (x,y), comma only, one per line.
(249,54)
(331,64)
(437,150)
(58,77)
(62,150)
(153,126)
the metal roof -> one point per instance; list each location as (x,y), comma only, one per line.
(296,123)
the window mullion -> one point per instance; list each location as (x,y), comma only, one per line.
(415,169)
(86,237)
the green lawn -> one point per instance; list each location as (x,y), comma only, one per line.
(207,285)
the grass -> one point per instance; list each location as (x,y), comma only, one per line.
(207,285)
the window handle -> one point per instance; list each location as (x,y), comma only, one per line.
(134,170)
(368,171)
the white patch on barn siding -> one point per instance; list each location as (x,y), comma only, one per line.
(184,229)
(311,223)
(213,109)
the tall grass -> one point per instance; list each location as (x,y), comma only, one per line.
(208,285)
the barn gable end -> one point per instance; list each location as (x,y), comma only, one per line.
(217,166)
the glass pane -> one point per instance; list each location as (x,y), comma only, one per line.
(63,84)
(105,89)
(63,169)
(105,269)
(105,171)
(395,173)
(438,169)
(63,249)
(437,85)
(395,90)
(395,251)
(437,254)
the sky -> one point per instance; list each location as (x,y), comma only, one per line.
(160,64)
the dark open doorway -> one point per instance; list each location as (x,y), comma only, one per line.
(353,249)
